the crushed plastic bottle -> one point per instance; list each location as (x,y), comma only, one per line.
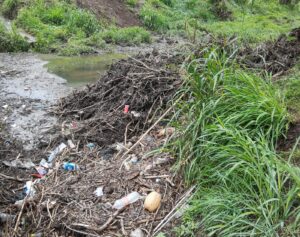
(56,152)
(99,192)
(70,166)
(91,146)
(28,189)
(125,201)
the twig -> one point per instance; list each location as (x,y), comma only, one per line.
(157,176)
(122,227)
(172,213)
(12,178)
(80,231)
(107,223)
(142,137)
(20,214)
(104,226)
(151,69)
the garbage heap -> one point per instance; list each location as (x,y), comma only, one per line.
(102,177)
(126,101)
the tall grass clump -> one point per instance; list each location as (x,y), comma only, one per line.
(60,27)
(229,121)
(129,36)
(9,7)
(11,41)
(154,18)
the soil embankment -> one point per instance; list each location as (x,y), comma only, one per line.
(113,10)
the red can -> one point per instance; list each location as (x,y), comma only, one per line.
(126,109)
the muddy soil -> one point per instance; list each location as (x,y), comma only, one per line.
(27,92)
(274,57)
(113,10)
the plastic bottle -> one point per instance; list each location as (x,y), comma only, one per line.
(123,202)
(56,152)
(70,166)
(28,189)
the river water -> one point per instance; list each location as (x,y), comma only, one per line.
(30,84)
(80,70)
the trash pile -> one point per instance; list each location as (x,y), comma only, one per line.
(103,178)
(274,57)
(125,101)
(86,191)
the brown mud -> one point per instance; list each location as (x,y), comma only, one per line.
(288,142)
(113,10)
(274,57)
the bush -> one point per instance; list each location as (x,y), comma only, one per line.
(130,35)
(54,22)
(132,3)
(9,8)
(154,19)
(11,41)
(229,123)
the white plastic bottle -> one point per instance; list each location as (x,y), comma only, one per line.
(123,202)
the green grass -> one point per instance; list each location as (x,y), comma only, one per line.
(290,85)
(128,36)
(252,21)
(62,28)
(229,122)
(11,41)
(9,7)
(132,3)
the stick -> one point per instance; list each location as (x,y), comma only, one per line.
(79,231)
(172,213)
(145,65)
(20,214)
(104,226)
(107,223)
(12,178)
(142,137)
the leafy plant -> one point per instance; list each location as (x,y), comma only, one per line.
(9,7)
(132,3)
(229,121)
(130,35)
(12,41)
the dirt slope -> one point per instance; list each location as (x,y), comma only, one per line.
(113,10)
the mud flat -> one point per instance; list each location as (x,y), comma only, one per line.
(27,91)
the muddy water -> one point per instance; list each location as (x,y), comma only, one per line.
(30,86)
(27,91)
(80,70)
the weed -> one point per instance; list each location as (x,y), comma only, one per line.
(251,21)
(9,7)
(154,19)
(11,41)
(229,123)
(132,3)
(130,35)
(290,85)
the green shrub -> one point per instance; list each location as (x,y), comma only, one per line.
(9,8)
(130,35)
(11,41)
(132,3)
(229,121)
(154,19)
(54,23)
(75,48)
